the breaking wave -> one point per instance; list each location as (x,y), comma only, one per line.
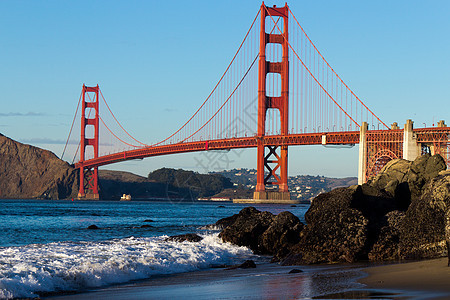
(29,270)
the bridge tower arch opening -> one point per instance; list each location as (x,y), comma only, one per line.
(272,160)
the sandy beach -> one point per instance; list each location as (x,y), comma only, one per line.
(430,277)
(266,281)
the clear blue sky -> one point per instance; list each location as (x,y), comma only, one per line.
(156,61)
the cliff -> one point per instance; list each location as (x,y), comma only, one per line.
(30,172)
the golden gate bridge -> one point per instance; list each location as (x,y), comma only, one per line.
(277,91)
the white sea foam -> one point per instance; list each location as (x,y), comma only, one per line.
(68,266)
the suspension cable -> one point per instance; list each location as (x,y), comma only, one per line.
(71,127)
(225,102)
(333,70)
(309,71)
(131,145)
(220,80)
(104,100)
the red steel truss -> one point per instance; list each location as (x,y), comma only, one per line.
(382,146)
(435,140)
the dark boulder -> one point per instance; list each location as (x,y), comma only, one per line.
(281,235)
(225,222)
(387,245)
(447,233)
(412,174)
(93,226)
(295,271)
(398,214)
(422,233)
(262,232)
(376,220)
(335,231)
(188,237)
(248,264)
(247,228)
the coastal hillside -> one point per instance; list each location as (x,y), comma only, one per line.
(199,185)
(113,184)
(163,183)
(30,172)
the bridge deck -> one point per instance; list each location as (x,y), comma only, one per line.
(424,135)
(351,137)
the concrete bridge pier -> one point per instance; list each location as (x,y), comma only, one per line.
(362,160)
(411,149)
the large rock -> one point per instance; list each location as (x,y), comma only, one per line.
(387,245)
(31,172)
(402,178)
(420,192)
(397,214)
(335,231)
(281,235)
(247,228)
(447,234)
(262,232)
(422,233)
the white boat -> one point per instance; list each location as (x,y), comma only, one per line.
(125,197)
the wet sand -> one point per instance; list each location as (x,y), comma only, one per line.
(415,280)
(431,277)
(267,281)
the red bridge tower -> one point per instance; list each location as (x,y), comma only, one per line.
(89,176)
(273,158)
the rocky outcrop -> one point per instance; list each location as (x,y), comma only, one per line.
(387,245)
(262,232)
(422,233)
(281,235)
(447,233)
(399,214)
(404,179)
(31,172)
(247,228)
(335,230)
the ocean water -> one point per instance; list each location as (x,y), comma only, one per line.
(46,246)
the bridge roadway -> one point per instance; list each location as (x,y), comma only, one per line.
(426,136)
(336,138)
